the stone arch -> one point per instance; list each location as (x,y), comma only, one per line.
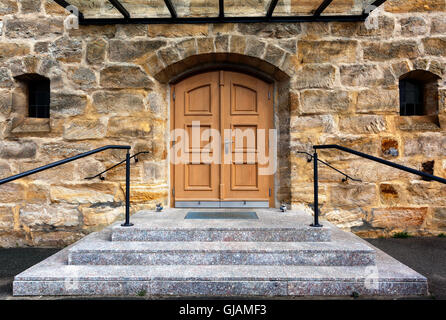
(244,54)
(172,60)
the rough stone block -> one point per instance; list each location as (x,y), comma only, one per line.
(8,7)
(439,218)
(370,101)
(95,52)
(404,6)
(11,50)
(435,46)
(142,193)
(67,105)
(30,6)
(399,218)
(316,76)
(33,28)
(67,49)
(80,129)
(99,217)
(304,124)
(327,51)
(271,30)
(413,26)
(429,145)
(128,127)
(102,192)
(324,101)
(438,25)
(6,218)
(39,217)
(363,124)
(12,193)
(383,51)
(127,51)
(17,150)
(351,195)
(122,103)
(124,77)
(188,30)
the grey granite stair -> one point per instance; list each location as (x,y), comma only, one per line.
(342,266)
(221,253)
(284,227)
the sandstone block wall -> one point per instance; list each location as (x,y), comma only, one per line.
(336,83)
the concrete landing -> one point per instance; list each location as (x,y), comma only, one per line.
(56,276)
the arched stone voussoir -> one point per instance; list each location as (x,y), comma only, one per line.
(212,61)
(188,54)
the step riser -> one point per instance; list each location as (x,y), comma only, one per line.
(321,235)
(226,258)
(216,288)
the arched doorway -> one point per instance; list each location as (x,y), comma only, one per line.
(230,165)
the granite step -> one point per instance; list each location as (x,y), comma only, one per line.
(221,253)
(228,281)
(172,226)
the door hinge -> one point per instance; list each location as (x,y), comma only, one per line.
(269,95)
(270,192)
(173,95)
(173,192)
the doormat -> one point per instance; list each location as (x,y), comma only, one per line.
(220,215)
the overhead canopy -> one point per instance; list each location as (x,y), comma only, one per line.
(219,11)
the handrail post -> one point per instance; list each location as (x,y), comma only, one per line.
(316,192)
(127,191)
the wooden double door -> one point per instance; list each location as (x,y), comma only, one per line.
(232,114)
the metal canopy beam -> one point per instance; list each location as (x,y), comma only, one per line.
(221,9)
(171,8)
(322,7)
(283,19)
(316,17)
(272,6)
(120,8)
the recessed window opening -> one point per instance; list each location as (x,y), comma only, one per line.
(38,94)
(418,93)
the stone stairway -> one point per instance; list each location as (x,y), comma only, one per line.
(276,255)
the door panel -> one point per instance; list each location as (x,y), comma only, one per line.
(246,106)
(197,100)
(223,101)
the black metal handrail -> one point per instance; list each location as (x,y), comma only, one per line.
(79,156)
(116,165)
(428,176)
(346,176)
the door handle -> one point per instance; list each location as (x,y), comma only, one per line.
(227,142)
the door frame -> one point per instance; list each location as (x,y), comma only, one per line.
(170,110)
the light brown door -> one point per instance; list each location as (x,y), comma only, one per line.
(223,100)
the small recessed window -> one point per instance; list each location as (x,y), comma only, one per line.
(38,92)
(418,94)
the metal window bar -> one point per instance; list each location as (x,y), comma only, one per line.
(425,175)
(83,155)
